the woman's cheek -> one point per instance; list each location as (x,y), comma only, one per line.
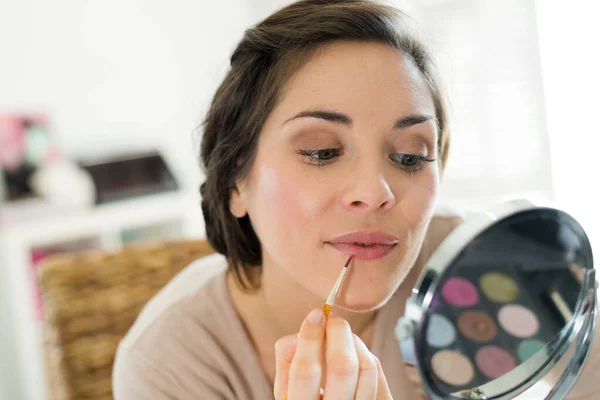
(289,206)
(425,195)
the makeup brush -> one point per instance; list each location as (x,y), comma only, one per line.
(333,294)
(559,302)
(336,288)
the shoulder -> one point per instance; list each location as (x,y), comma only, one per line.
(445,219)
(194,281)
(446,215)
(171,348)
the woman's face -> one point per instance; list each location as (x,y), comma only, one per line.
(348,149)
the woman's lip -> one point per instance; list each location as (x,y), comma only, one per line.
(371,238)
(371,252)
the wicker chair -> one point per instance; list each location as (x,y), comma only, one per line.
(91,300)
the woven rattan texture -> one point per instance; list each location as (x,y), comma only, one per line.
(91,299)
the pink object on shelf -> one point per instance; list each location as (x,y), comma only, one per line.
(12,143)
(37,256)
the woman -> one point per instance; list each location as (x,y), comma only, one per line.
(327,138)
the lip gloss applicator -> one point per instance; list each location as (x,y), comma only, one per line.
(333,294)
(336,288)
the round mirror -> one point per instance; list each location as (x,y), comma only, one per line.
(500,302)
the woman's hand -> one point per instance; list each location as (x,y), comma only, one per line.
(349,370)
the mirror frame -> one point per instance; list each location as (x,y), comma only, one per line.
(579,329)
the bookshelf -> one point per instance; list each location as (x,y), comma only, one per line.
(25,242)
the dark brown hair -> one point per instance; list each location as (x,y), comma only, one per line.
(261,65)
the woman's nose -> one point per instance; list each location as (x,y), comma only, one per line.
(369,191)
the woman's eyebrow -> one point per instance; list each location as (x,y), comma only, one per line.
(343,119)
(330,116)
(411,120)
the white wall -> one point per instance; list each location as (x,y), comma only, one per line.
(571,76)
(118,75)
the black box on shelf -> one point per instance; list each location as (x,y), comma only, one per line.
(129,176)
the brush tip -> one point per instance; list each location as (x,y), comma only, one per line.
(348,262)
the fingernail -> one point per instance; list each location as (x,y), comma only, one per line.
(316,317)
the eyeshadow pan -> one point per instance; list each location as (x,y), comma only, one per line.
(435,301)
(408,351)
(499,287)
(440,331)
(518,320)
(452,367)
(477,326)
(528,348)
(494,361)
(460,292)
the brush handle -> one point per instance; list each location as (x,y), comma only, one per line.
(333,294)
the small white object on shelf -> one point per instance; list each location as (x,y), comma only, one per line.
(62,182)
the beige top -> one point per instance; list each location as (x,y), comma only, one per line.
(189,343)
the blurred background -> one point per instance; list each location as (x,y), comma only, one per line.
(100,103)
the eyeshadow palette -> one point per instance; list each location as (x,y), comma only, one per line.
(483,323)
(496,291)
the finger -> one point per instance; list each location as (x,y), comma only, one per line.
(285,348)
(341,360)
(306,368)
(366,387)
(383,390)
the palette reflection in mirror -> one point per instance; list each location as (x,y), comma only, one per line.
(493,297)
(483,325)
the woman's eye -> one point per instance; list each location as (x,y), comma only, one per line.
(410,162)
(325,154)
(320,156)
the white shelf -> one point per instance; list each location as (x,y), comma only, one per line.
(21,341)
(120,215)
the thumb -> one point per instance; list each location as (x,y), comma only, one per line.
(285,348)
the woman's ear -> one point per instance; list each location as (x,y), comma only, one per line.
(237,205)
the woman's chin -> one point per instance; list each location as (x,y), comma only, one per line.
(363,302)
(363,308)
